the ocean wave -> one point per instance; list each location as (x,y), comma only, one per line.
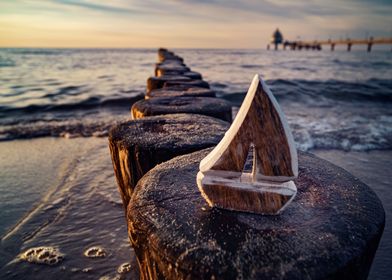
(59,128)
(355,134)
(29,51)
(89,103)
(342,140)
(7,62)
(319,93)
(251,66)
(370,64)
(68,90)
(373,90)
(351,133)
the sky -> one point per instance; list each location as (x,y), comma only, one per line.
(186,23)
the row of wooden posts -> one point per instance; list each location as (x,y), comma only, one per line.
(173,232)
(174,89)
(179,115)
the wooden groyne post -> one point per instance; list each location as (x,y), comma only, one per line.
(330,231)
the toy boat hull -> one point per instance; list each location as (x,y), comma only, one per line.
(261,197)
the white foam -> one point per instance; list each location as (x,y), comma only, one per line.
(42,255)
(95,252)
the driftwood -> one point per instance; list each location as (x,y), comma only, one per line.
(137,146)
(178,91)
(213,107)
(330,231)
(261,131)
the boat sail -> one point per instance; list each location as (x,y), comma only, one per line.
(261,130)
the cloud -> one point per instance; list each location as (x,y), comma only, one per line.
(94,5)
(189,23)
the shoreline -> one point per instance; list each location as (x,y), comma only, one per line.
(97,181)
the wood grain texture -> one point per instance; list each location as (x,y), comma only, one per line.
(245,199)
(330,231)
(158,82)
(164,54)
(170,63)
(179,91)
(190,74)
(260,124)
(189,84)
(213,107)
(193,75)
(137,146)
(169,68)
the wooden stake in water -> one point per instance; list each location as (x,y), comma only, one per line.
(259,131)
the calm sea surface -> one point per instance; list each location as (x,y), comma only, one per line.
(61,192)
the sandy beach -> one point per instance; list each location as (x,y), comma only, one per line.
(76,205)
(73,205)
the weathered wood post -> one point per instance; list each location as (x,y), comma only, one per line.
(137,146)
(330,230)
(180,91)
(209,106)
(349,46)
(170,80)
(370,44)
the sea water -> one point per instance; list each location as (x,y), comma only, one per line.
(337,100)
(57,188)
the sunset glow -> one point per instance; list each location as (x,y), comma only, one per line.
(186,23)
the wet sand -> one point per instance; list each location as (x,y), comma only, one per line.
(76,206)
(65,195)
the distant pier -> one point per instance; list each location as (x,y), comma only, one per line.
(277,39)
(317,45)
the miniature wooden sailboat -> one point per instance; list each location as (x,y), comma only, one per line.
(260,128)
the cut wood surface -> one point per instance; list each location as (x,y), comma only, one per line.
(137,146)
(169,68)
(189,83)
(158,82)
(330,231)
(168,63)
(168,55)
(178,91)
(208,106)
(169,72)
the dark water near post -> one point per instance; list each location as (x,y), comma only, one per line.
(61,192)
